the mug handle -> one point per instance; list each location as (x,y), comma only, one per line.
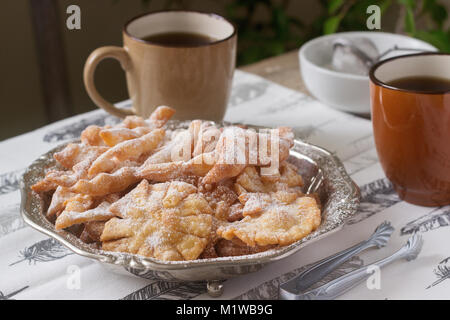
(92,61)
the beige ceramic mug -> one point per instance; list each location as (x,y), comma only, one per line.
(194,80)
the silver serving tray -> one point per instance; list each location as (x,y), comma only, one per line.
(322,172)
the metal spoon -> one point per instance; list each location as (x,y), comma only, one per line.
(307,278)
(368,61)
(338,286)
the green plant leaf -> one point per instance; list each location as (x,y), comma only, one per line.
(384,5)
(334,5)
(280,22)
(410,25)
(332,24)
(408,3)
(439,14)
(438,38)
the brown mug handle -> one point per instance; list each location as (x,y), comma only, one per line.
(88,76)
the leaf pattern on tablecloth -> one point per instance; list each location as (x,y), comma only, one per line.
(10,219)
(376,196)
(11,294)
(43,251)
(167,290)
(442,272)
(10,181)
(269,289)
(73,130)
(437,218)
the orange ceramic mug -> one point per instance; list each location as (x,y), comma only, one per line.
(195,80)
(412,128)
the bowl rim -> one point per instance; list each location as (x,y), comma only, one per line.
(40,223)
(308,44)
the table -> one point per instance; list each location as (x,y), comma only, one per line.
(35,266)
(283,69)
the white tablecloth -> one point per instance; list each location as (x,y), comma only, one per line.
(32,266)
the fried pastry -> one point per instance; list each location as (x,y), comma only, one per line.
(236,247)
(78,203)
(167,221)
(58,202)
(68,178)
(126,150)
(92,231)
(164,154)
(160,116)
(71,214)
(113,136)
(237,148)
(161,172)
(74,153)
(250,180)
(194,193)
(91,136)
(106,183)
(132,122)
(273,219)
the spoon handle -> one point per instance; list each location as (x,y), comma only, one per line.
(338,286)
(307,278)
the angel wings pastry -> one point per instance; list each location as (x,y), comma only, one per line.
(198,192)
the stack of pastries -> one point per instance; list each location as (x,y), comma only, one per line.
(184,194)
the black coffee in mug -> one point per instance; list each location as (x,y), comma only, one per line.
(179,39)
(422,84)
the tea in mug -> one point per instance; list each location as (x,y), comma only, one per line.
(422,84)
(179,39)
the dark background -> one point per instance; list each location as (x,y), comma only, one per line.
(42,61)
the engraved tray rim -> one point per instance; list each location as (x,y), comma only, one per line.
(343,206)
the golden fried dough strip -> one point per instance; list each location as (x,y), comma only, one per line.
(55,178)
(127,150)
(90,136)
(59,198)
(106,183)
(250,180)
(160,116)
(69,155)
(162,172)
(285,142)
(44,185)
(115,136)
(78,203)
(157,119)
(270,221)
(222,171)
(289,175)
(165,153)
(74,153)
(237,148)
(207,139)
(168,221)
(70,217)
(132,122)
(230,155)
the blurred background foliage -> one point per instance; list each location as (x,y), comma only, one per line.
(280,30)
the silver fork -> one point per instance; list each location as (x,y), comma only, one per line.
(338,286)
(290,289)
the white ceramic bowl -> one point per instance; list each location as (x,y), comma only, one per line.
(344,91)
